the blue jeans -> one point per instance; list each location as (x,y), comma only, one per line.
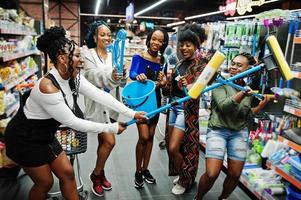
(220,141)
(177,116)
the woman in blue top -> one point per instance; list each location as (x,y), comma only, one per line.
(145,66)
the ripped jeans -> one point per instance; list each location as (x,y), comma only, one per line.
(220,141)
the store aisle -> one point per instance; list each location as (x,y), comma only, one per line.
(120,171)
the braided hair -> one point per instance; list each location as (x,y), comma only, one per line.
(91,43)
(165,41)
(254,79)
(54,43)
(250,58)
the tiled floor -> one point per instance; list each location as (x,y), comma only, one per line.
(120,170)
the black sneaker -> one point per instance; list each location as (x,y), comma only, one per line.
(138,180)
(148,177)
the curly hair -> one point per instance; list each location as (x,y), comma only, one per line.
(165,41)
(250,58)
(190,36)
(198,30)
(90,41)
(54,42)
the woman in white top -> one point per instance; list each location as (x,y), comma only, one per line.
(29,136)
(100,72)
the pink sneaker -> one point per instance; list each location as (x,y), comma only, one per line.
(106,185)
(96,185)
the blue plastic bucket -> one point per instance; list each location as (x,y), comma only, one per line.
(293,193)
(140,96)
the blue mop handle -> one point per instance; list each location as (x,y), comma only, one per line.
(154,112)
(293,31)
(207,89)
(230,83)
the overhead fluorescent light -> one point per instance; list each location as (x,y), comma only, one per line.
(204,15)
(123,16)
(175,24)
(271,1)
(149,8)
(241,17)
(102,15)
(151,17)
(97,6)
(295,10)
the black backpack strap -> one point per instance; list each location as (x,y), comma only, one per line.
(76,109)
(57,85)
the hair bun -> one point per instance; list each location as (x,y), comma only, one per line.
(49,36)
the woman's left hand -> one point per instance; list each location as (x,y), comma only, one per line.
(116,76)
(125,71)
(182,82)
(162,79)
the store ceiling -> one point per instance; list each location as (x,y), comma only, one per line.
(171,8)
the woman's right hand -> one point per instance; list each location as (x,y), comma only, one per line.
(140,116)
(141,77)
(121,127)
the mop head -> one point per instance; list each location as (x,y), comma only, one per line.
(207,74)
(279,57)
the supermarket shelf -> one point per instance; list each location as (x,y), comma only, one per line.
(14,83)
(289,143)
(284,175)
(244,181)
(297,40)
(292,110)
(16,32)
(12,109)
(12,56)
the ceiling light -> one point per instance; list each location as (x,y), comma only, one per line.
(97,6)
(241,17)
(123,16)
(205,14)
(175,24)
(296,10)
(151,17)
(271,1)
(149,8)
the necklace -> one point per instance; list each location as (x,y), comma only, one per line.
(152,53)
(99,56)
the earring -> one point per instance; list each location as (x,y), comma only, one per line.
(66,69)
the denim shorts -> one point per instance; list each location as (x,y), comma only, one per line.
(220,141)
(177,116)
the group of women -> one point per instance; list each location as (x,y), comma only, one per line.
(30,134)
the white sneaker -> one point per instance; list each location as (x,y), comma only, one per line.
(178,189)
(175,181)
